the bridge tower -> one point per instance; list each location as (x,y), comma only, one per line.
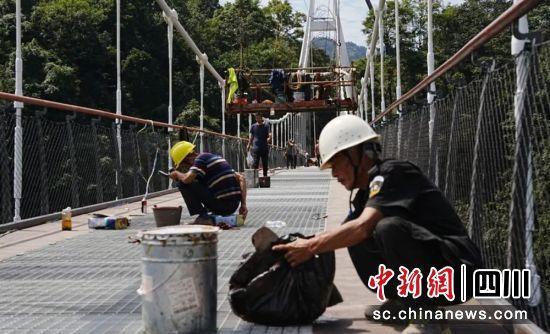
(323,19)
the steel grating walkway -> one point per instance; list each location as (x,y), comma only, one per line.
(87,284)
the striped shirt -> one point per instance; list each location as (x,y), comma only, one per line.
(215,173)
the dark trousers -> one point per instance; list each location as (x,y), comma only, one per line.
(200,200)
(264,155)
(289,160)
(395,243)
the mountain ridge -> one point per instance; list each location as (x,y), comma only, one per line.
(328,46)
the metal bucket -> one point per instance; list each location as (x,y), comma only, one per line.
(179,279)
(167,215)
(251,177)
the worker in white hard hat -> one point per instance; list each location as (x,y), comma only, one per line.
(399,219)
(207,183)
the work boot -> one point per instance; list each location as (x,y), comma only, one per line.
(204,219)
(392,305)
(425,327)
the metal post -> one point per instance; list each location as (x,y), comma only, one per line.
(523,197)
(170,35)
(18,134)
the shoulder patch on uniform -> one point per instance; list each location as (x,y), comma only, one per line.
(375,185)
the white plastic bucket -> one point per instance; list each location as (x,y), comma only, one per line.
(298,96)
(179,279)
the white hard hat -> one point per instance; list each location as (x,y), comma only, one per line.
(342,133)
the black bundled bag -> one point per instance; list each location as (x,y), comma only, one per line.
(265,289)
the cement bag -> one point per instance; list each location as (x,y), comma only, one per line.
(249,160)
(266,290)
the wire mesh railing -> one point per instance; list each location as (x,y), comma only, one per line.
(74,160)
(490,155)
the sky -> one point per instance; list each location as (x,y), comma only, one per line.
(352,14)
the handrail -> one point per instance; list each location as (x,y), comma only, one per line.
(102,113)
(515,11)
(107,114)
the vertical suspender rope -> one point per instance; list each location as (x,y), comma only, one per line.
(431,65)
(293,127)
(283,132)
(18,134)
(314,130)
(371,70)
(382,51)
(398,78)
(288,128)
(222,87)
(118,93)
(239,158)
(201,74)
(276,129)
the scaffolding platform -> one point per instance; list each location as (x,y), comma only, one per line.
(308,89)
(300,106)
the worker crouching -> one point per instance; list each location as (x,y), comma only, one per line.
(400,225)
(207,183)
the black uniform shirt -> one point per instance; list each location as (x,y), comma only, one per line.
(399,188)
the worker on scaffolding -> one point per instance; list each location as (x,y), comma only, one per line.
(400,220)
(207,183)
(260,137)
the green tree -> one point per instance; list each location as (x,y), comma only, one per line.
(190,116)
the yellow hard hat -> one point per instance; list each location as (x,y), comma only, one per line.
(180,150)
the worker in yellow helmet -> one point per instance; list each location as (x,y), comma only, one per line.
(401,225)
(207,183)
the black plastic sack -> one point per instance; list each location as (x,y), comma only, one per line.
(266,290)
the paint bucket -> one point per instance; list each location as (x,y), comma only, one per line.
(167,215)
(251,177)
(179,279)
(298,96)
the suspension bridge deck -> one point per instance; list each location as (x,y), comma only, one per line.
(85,281)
